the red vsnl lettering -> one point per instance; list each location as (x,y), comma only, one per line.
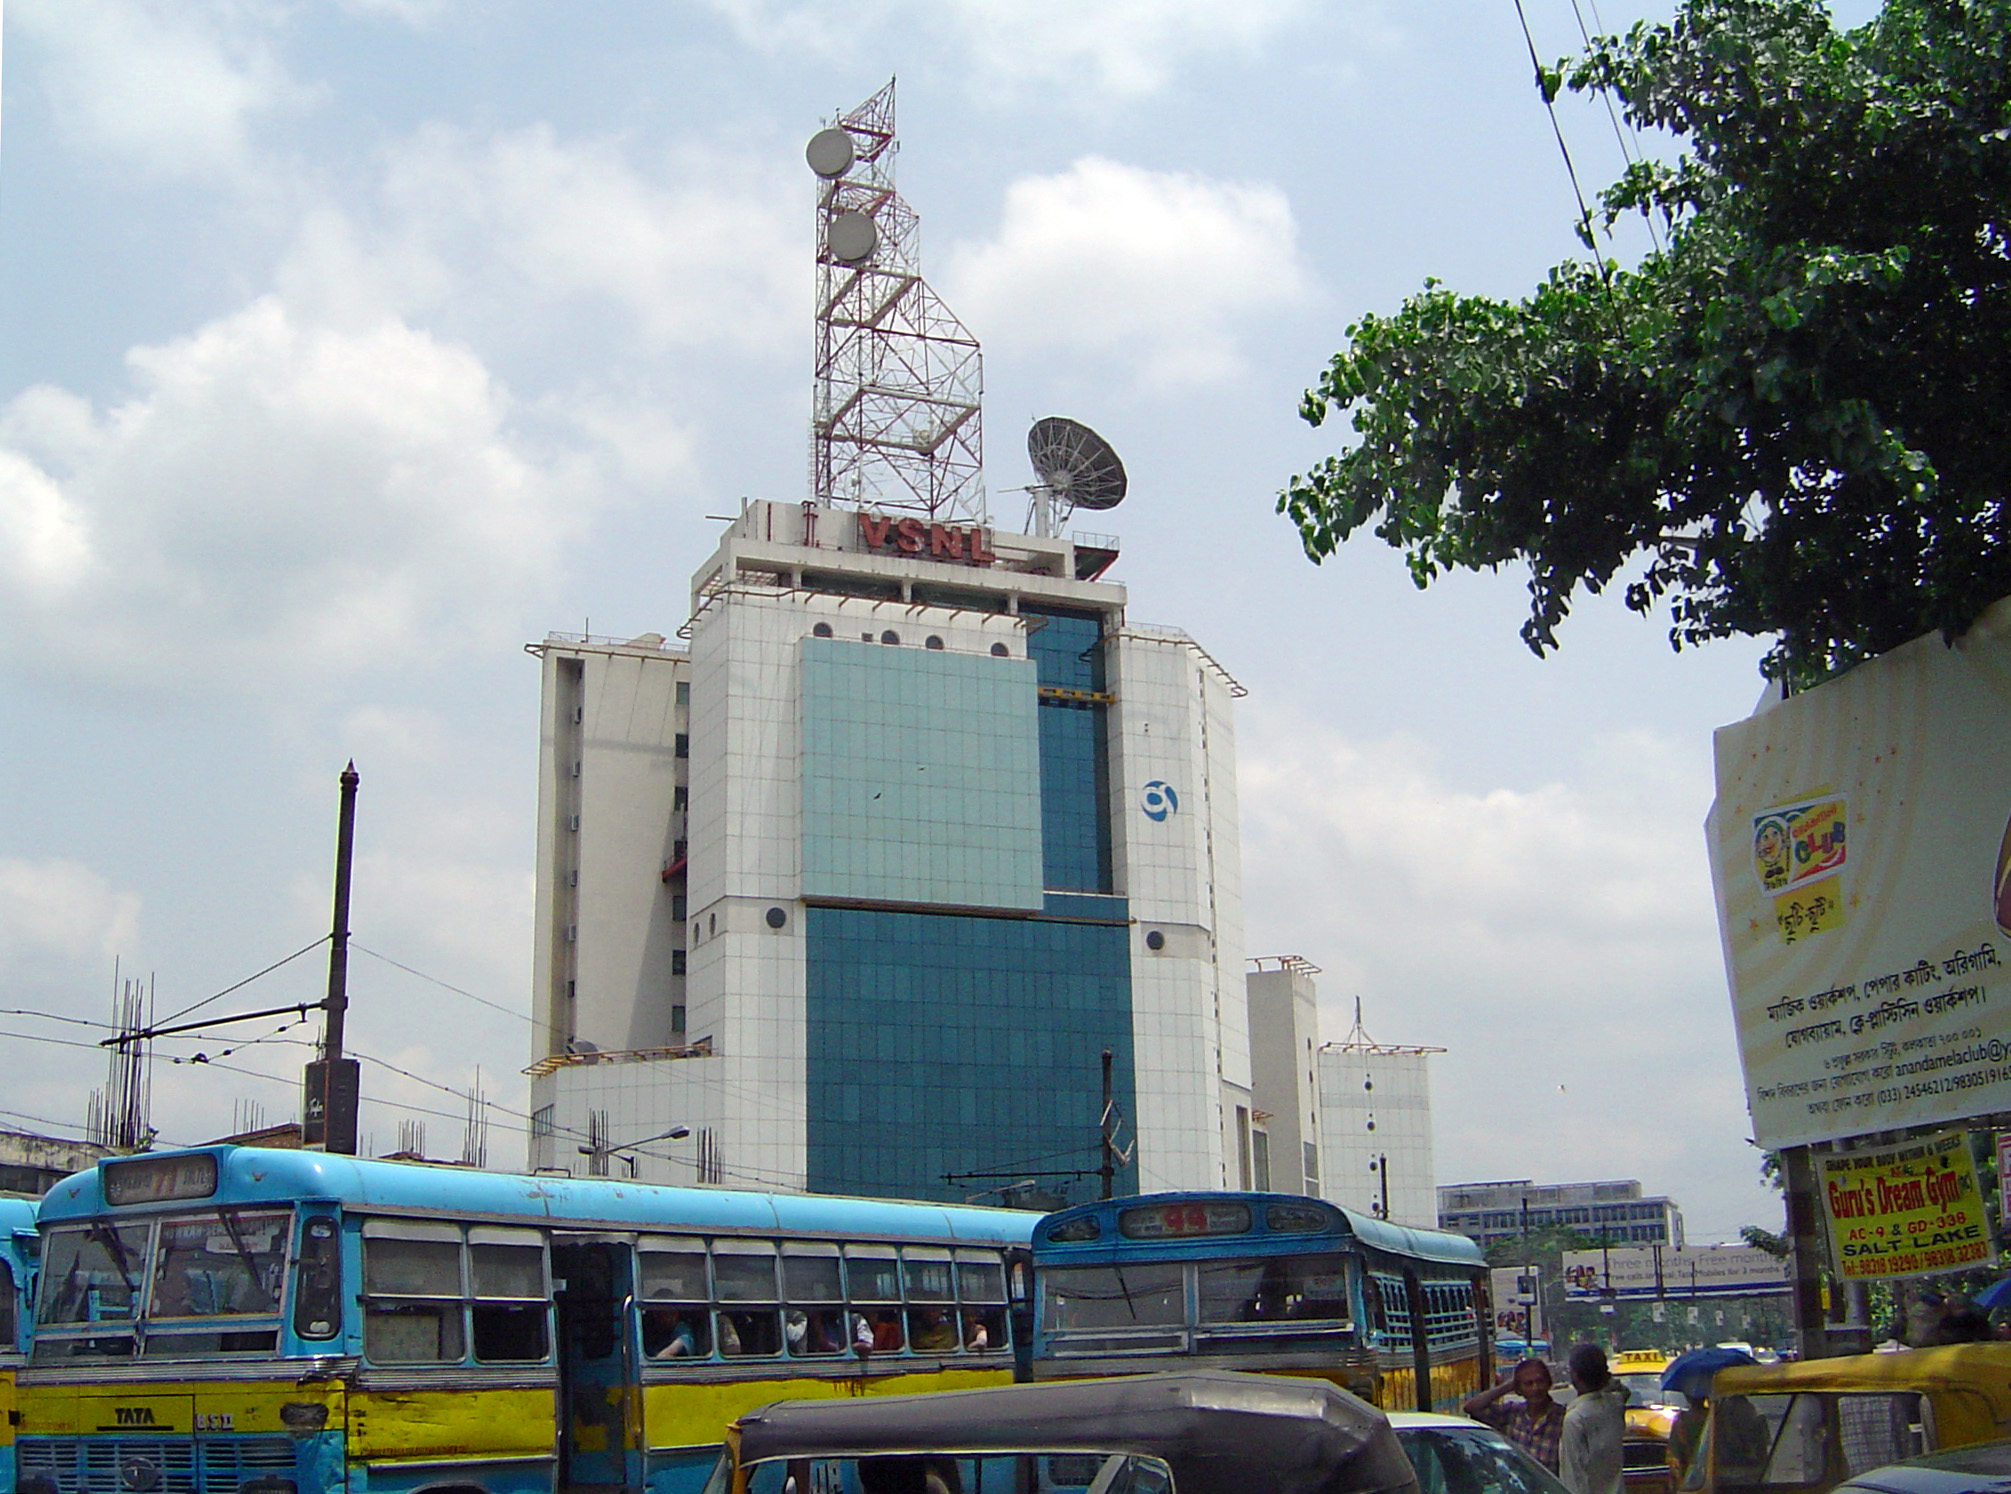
(873,530)
(909,536)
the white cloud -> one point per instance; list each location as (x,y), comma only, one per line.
(1094,49)
(64,910)
(1155,269)
(172,87)
(1559,940)
(516,233)
(278,498)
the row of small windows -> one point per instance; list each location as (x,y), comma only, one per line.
(1450,1321)
(823,630)
(434,1296)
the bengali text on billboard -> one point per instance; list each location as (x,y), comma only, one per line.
(1861,855)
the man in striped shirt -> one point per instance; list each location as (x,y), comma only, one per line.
(1535,1424)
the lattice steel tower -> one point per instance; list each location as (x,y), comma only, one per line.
(896,420)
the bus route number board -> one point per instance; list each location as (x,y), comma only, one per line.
(1184,1221)
(144,1180)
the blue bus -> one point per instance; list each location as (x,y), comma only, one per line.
(17,1282)
(1269,1282)
(233,1320)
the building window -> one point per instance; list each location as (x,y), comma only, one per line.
(822,630)
(680,797)
(890,636)
(933,642)
(677,1019)
(1000,651)
(677,962)
(677,906)
(684,744)
(684,692)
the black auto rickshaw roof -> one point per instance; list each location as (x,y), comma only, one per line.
(1219,1432)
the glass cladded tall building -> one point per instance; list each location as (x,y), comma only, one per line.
(857,888)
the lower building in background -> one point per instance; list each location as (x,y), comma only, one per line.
(1349,1122)
(1614,1210)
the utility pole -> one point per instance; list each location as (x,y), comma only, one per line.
(1107,1170)
(328,1118)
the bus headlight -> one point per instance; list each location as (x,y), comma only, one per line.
(138,1476)
(303,1416)
(268,1483)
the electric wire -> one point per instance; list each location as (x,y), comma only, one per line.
(1557,129)
(444,985)
(1620,133)
(305,949)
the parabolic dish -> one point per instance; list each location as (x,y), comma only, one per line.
(1077,465)
(830,153)
(852,238)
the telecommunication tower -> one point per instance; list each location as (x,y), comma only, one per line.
(896,420)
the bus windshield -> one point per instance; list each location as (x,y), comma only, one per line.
(222,1263)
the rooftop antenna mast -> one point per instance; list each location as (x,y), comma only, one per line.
(895,421)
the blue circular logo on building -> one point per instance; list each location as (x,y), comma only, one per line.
(1158,800)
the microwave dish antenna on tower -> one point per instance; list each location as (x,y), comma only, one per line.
(896,420)
(1077,469)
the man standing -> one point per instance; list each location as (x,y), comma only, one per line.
(1594,1428)
(1536,1425)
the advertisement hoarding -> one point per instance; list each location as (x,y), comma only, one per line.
(1635,1272)
(1905,1210)
(1861,855)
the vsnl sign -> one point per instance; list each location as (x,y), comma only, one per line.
(970,546)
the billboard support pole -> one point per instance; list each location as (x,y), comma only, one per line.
(1805,1254)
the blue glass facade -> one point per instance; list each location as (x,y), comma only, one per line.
(1074,758)
(921,776)
(949,1043)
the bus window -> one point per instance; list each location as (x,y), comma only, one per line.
(932,1313)
(982,1289)
(93,1275)
(814,1323)
(506,1269)
(743,1271)
(412,1293)
(6,1308)
(229,1264)
(1231,1292)
(317,1280)
(1145,1293)
(676,1297)
(1390,1307)
(873,1286)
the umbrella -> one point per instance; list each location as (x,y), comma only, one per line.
(1994,1296)
(1691,1373)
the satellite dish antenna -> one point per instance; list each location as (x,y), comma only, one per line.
(852,238)
(830,153)
(1077,469)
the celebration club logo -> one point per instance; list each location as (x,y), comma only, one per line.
(1158,800)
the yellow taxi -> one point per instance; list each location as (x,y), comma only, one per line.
(1651,1412)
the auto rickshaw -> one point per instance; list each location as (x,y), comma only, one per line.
(1206,1432)
(1806,1427)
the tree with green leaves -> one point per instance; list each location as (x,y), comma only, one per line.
(1787,421)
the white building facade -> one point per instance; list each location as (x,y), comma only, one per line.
(857,887)
(1349,1122)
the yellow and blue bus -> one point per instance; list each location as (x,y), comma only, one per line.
(1267,1282)
(17,1279)
(231,1320)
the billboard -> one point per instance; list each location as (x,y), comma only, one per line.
(1905,1210)
(1860,852)
(1636,1272)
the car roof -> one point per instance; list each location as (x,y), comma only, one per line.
(1219,1432)
(1402,1419)
(1971,1469)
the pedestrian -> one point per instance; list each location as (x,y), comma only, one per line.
(1595,1426)
(1536,1424)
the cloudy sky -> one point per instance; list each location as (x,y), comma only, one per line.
(346,347)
